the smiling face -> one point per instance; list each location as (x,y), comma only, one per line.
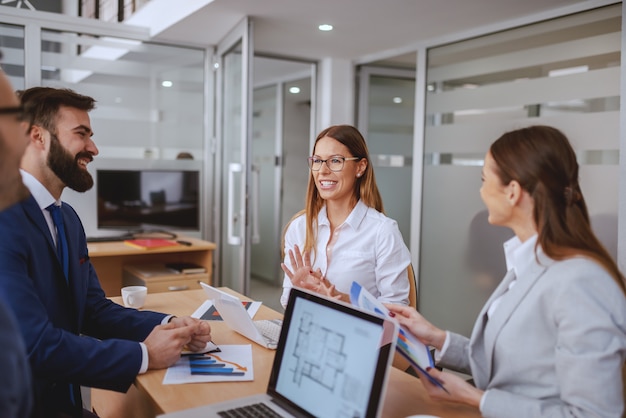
(72,148)
(494,194)
(336,186)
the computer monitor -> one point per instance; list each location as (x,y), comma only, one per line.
(151,198)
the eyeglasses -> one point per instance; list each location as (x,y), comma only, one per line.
(334,163)
(11,110)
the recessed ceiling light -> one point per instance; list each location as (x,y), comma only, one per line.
(167,83)
(397,100)
(325,27)
(294,90)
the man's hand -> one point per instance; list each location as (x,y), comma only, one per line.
(201,335)
(165,344)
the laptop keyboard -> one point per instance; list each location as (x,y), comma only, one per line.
(269,328)
(249,411)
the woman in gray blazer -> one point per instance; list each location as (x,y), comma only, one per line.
(551,339)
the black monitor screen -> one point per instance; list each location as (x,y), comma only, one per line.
(132,199)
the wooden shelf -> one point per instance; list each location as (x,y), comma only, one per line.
(109,259)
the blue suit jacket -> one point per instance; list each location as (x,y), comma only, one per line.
(15,379)
(73,333)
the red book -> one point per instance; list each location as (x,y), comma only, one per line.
(150,243)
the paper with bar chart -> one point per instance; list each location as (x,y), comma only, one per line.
(408,346)
(232,363)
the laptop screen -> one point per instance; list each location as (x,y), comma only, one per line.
(332,359)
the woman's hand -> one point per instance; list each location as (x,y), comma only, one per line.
(456,389)
(412,320)
(303,276)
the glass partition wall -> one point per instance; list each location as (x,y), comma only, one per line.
(150,109)
(563,72)
(388,95)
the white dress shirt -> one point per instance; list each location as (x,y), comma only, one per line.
(367,248)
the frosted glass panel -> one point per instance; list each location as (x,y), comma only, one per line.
(389,138)
(150,98)
(12,48)
(563,72)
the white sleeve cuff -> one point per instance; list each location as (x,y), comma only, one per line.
(482,401)
(166,319)
(440,353)
(144,359)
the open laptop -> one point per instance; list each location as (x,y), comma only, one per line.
(332,360)
(264,332)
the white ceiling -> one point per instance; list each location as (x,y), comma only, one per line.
(363,28)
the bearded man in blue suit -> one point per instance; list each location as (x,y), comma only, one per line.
(74,335)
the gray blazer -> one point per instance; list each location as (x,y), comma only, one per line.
(554,347)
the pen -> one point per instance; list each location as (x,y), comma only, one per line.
(181,242)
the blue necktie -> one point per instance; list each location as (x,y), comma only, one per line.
(62,252)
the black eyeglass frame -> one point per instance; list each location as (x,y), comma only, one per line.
(340,157)
(11,110)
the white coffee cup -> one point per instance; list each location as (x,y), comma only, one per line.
(134,296)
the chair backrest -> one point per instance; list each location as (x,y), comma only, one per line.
(412,287)
(400,362)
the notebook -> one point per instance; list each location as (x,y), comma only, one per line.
(332,360)
(232,311)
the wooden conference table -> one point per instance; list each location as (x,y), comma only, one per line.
(149,397)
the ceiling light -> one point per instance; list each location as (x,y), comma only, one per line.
(325,27)
(167,83)
(294,90)
(397,100)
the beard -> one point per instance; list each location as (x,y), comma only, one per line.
(66,167)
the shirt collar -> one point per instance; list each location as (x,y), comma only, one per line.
(42,196)
(518,254)
(354,219)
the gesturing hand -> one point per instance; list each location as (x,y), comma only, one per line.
(302,275)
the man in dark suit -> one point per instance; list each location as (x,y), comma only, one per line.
(15,375)
(74,335)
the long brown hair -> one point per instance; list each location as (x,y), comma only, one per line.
(542,161)
(365,186)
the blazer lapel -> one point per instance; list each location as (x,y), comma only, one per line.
(491,328)
(480,361)
(33,212)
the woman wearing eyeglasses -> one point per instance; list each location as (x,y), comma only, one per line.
(342,235)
